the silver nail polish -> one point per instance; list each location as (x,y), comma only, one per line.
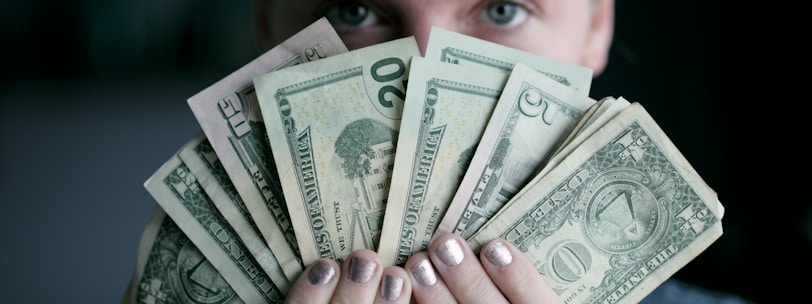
(321,273)
(498,254)
(361,270)
(450,252)
(391,287)
(424,273)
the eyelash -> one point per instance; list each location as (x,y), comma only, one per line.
(520,14)
(333,10)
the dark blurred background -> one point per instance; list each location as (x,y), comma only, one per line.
(94,101)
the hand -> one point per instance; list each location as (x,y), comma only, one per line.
(360,279)
(449,272)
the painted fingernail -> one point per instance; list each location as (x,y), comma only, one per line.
(498,253)
(361,269)
(321,273)
(391,287)
(450,252)
(424,273)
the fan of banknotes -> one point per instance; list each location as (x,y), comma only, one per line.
(313,151)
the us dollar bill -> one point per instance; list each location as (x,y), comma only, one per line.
(199,157)
(452,47)
(169,268)
(603,111)
(230,116)
(594,118)
(533,115)
(333,126)
(593,113)
(445,114)
(183,199)
(614,219)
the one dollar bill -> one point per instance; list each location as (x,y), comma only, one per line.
(179,193)
(199,157)
(615,218)
(169,268)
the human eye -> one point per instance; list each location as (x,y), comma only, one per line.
(348,15)
(503,13)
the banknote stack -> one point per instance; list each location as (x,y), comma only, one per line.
(313,151)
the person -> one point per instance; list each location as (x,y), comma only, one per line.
(574,31)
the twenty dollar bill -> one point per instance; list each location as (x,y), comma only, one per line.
(447,108)
(333,126)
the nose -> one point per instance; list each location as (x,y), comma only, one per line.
(418,21)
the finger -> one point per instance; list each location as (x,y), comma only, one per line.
(360,277)
(513,273)
(462,272)
(395,286)
(427,286)
(316,284)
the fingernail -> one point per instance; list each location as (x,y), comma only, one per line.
(424,273)
(391,287)
(321,273)
(361,269)
(498,254)
(450,252)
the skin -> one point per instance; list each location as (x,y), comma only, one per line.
(574,31)
(475,279)
(581,29)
